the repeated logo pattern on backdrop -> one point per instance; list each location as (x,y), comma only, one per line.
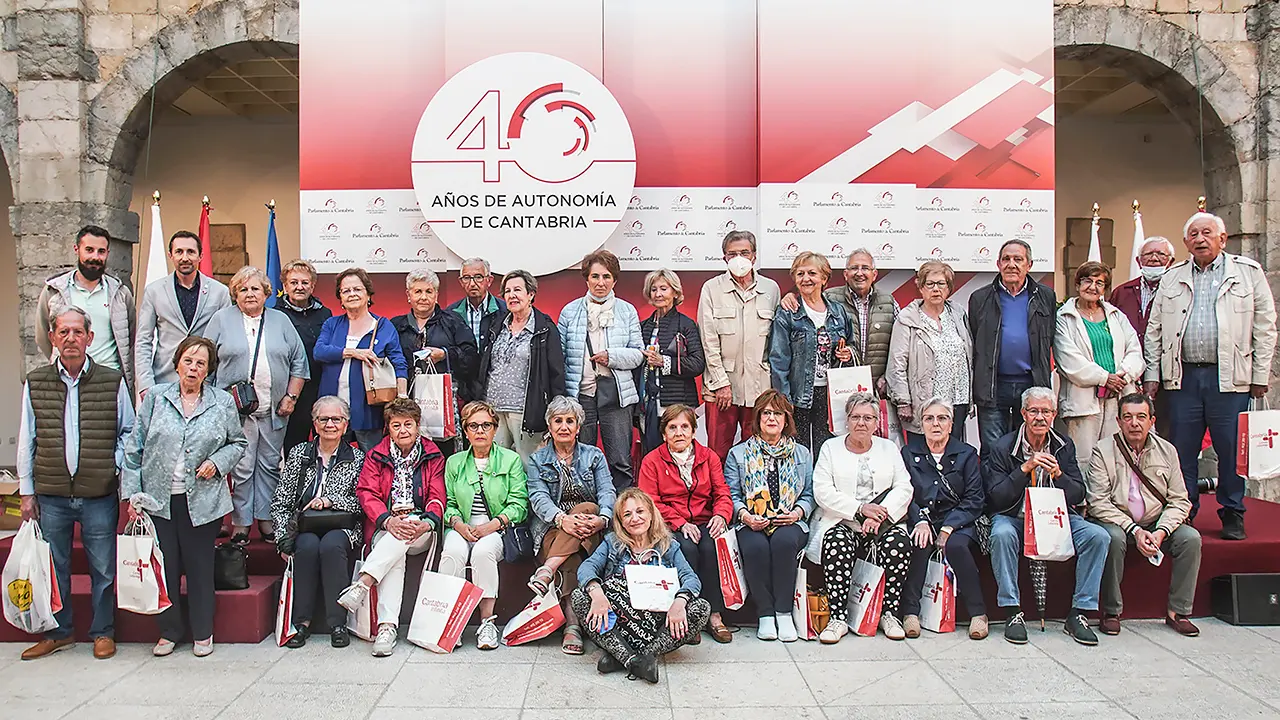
(653,130)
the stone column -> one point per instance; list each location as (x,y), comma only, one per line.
(55,73)
(1264,24)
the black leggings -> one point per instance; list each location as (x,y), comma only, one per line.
(961,547)
(813,426)
(188,550)
(842,546)
(320,561)
(637,631)
(770,564)
(701,556)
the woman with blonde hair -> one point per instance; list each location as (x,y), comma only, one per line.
(633,639)
(672,353)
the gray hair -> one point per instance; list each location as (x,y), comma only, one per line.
(1039,393)
(476,261)
(670,278)
(422,275)
(327,401)
(859,398)
(1026,248)
(69,310)
(1222,225)
(565,405)
(530,282)
(938,402)
(736,235)
(1157,239)
(861,251)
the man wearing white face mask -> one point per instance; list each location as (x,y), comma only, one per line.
(735,313)
(1134,300)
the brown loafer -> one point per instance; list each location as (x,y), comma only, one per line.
(103,648)
(47,647)
(720,633)
(1182,624)
(1110,624)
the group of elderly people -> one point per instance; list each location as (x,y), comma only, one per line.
(273,397)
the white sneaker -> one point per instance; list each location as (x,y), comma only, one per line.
(767,629)
(787,629)
(836,629)
(891,627)
(385,643)
(354,596)
(487,635)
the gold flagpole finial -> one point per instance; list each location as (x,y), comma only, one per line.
(271,205)
(155,197)
(1135,206)
(1096,208)
(1200,203)
(205,201)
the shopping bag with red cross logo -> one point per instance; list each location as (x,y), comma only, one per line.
(866,596)
(1258,444)
(733,582)
(652,587)
(1046,529)
(140,584)
(938,602)
(541,617)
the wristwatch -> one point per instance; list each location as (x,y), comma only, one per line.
(291,396)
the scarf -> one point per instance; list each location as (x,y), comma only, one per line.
(404,465)
(755,485)
(599,314)
(684,463)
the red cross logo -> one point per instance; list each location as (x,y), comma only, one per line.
(935,591)
(1270,437)
(1059,515)
(862,591)
(664,584)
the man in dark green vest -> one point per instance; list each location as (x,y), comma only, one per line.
(75,416)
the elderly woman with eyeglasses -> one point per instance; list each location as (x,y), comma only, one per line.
(318,519)
(949,499)
(571,497)
(487,494)
(931,352)
(863,493)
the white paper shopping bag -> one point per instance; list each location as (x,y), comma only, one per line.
(364,622)
(1046,528)
(809,612)
(652,587)
(284,607)
(866,597)
(444,605)
(938,601)
(434,394)
(733,581)
(841,383)
(140,583)
(541,617)
(1258,444)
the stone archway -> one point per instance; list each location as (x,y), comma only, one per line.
(1199,89)
(9,131)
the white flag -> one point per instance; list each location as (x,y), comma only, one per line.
(1139,237)
(1095,245)
(157,267)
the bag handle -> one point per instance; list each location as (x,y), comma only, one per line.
(257,345)
(1133,465)
(1259,403)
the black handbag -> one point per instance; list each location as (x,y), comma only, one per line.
(230,567)
(517,543)
(243,392)
(322,521)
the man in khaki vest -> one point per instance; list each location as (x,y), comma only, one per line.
(75,416)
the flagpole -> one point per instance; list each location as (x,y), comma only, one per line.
(1095,245)
(273,257)
(1139,237)
(1200,204)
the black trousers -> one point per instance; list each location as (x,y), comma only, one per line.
(611,424)
(813,425)
(961,547)
(188,550)
(769,562)
(320,561)
(701,556)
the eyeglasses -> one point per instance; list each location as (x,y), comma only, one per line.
(481,427)
(936,284)
(862,419)
(1093,282)
(931,419)
(1155,255)
(473,278)
(1039,412)
(330,420)
(772,413)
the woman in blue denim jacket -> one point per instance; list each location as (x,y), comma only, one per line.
(571,499)
(633,639)
(804,343)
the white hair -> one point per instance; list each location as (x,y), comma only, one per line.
(1039,393)
(476,261)
(422,275)
(859,398)
(938,402)
(861,251)
(330,401)
(1222,225)
(1157,239)
(565,405)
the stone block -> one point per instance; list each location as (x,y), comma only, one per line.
(48,179)
(1241,58)
(9,69)
(1200,67)
(1183,20)
(145,7)
(1205,6)
(49,137)
(9,33)
(63,28)
(8,7)
(1064,26)
(1142,4)
(1224,185)
(1171,6)
(1253,181)
(49,100)
(36,251)
(1237,5)
(1163,41)
(111,32)
(1222,27)
(1091,28)
(1124,28)
(108,65)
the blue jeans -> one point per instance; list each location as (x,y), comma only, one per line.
(1091,541)
(1197,406)
(996,421)
(98,518)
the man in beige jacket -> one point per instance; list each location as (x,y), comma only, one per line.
(1137,494)
(1210,340)
(735,314)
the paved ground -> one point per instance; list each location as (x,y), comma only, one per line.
(1146,672)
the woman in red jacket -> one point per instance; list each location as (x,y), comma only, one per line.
(686,481)
(401,490)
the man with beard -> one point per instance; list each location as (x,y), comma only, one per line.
(174,308)
(107,301)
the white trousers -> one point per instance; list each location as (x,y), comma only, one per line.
(511,435)
(483,554)
(385,564)
(1085,431)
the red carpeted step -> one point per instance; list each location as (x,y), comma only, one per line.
(240,616)
(263,558)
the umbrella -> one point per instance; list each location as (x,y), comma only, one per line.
(1039,570)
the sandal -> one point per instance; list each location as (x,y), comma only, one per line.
(572,643)
(541,581)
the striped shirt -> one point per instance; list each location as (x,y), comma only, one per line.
(1200,340)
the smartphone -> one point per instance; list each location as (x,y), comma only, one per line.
(610,619)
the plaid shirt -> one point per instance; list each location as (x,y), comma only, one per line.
(862,306)
(1200,340)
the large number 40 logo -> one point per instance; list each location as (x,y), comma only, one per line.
(548,135)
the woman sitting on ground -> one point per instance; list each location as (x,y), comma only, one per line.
(633,639)
(571,497)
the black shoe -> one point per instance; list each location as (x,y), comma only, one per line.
(240,539)
(1077,626)
(1015,629)
(299,638)
(609,664)
(645,667)
(1233,526)
(340,637)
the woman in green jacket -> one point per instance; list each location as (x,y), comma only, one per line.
(486,494)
